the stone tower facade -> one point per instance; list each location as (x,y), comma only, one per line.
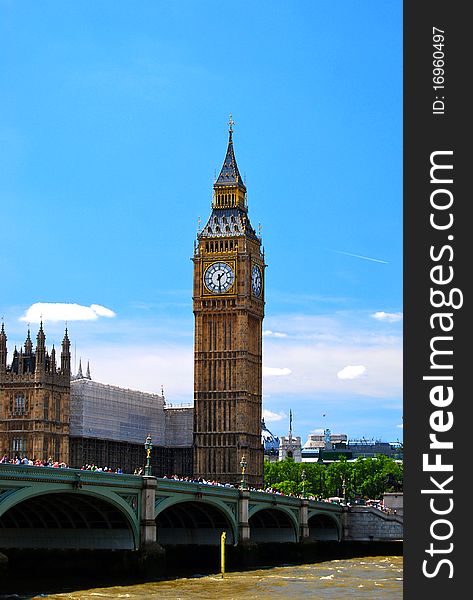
(35,400)
(228,303)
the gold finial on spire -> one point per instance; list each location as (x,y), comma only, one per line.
(231,123)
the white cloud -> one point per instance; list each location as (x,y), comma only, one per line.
(389,317)
(351,372)
(275,371)
(61,311)
(102,311)
(276,334)
(271,417)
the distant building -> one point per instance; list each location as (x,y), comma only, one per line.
(290,446)
(331,446)
(325,440)
(370,448)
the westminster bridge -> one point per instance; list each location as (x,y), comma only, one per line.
(50,508)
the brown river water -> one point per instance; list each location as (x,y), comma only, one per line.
(368,578)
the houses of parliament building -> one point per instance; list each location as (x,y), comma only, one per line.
(46,411)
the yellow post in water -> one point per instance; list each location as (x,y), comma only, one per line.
(222,552)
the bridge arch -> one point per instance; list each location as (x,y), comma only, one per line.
(269,524)
(61,518)
(190,521)
(323,527)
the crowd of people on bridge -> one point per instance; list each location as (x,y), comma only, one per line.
(17,460)
(203,481)
(50,462)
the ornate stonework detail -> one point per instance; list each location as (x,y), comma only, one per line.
(232,507)
(131,500)
(159,499)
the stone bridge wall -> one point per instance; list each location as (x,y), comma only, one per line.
(362,524)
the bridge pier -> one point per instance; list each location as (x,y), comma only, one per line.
(304,520)
(147,521)
(152,556)
(243,525)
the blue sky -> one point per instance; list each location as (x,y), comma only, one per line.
(113,126)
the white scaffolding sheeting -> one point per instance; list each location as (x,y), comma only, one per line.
(179,426)
(113,413)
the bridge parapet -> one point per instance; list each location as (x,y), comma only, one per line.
(27,473)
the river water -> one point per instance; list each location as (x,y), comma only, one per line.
(368,578)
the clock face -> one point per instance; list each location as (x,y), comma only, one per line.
(256,280)
(219,278)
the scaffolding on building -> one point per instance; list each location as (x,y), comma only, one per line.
(109,426)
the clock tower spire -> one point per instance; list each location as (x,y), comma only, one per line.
(228,302)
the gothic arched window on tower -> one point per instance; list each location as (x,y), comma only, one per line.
(18,445)
(20,405)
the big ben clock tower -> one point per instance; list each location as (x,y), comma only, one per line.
(229,308)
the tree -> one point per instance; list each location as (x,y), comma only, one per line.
(286,476)
(368,477)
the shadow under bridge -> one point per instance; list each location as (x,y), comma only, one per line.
(194,522)
(64,520)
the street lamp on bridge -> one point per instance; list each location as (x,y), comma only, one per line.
(148,448)
(243,465)
(303,477)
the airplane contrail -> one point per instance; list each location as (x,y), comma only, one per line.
(385,262)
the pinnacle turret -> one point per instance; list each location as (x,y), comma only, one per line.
(40,348)
(229,173)
(28,343)
(66,355)
(3,349)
